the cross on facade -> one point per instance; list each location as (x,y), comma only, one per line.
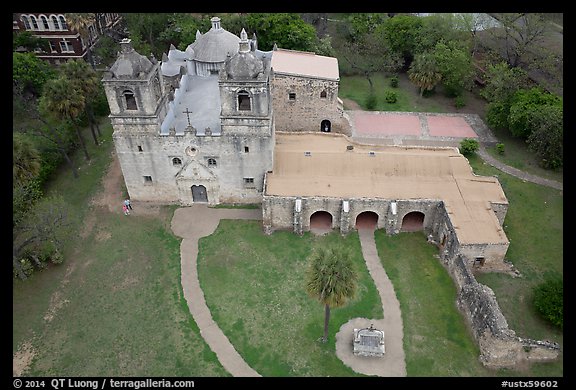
(187,112)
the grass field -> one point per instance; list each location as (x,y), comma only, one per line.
(115,306)
(254,286)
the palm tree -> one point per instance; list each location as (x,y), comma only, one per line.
(87,81)
(81,23)
(424,72)
(331,279)
(25,160)
(62,99)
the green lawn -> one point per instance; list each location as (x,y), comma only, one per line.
(254,286)
(115,306)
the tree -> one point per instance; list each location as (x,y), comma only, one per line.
(520,33)
(88,83)
(29,73)
(402,33)
(424,72)
(25,160)
(331,279)
(439,27)
(547,137)
(286,30)
(145,28)
(81,22)
(502,82)
(368,54)
(549,301)
(455,66)
(41,235)
(28,42)
(525,107)
(25,169)
(58,136)
(63,100)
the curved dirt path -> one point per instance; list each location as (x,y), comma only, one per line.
(192,223)
(517,172)
(393,363)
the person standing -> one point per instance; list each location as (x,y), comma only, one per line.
(125,209)
(128,204)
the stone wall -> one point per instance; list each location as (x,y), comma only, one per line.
(499,345)
(307,111)
(237,157)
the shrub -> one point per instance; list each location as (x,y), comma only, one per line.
(548,301)
(390,97)
(500,148)
(394,81)
(371,101)
(459,102)
(468,146)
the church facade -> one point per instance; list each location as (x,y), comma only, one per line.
(198,127)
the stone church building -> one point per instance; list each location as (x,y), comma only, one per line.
(224,122)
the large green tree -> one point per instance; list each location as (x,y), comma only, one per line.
(502,82)
(29,73)
(402,33)
(62,99)
(547,136)
(455,65)
(87,82)
(286,30)
(331,279)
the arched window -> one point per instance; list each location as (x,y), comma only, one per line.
(211,162)
(323,94)
(244,101)
(44,20)
(176,161)
(63,22)
(55,22)
(26,22)
(34,22)
(130,100)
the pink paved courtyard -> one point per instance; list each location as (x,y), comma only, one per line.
(382,124)
(449,126)
(387,124)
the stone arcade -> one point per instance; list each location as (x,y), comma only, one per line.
(224,122)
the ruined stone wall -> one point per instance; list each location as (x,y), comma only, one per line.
(499,345)
(307,111)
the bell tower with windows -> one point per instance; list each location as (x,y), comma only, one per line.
(134,91)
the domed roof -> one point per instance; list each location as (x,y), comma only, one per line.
(216,44)
(130,64)
(244,64)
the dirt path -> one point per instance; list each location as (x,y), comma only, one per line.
(185,224)
(392,364)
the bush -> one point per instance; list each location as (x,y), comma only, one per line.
(548,301)
(394,81)
(459,102)
(468,146)
(390,97)
(371,101)
(500,148)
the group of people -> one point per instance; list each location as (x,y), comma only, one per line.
(126,207)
